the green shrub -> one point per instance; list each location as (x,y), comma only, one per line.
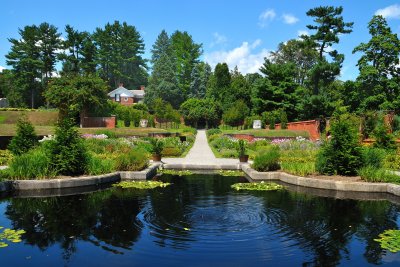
(97,165)
(5,157)
(236,114)
(35,164)
(157,146)
(267,160)
(213,131)
(223,143)
(342,153)
(284,120)
(134,160)
(190,130)
(25,139)
(392,160)
(383,139)
(212,137)
(67,150)
(228,153)
(299,168)
(371,174)
(171,152)
(373,157)
(241,147)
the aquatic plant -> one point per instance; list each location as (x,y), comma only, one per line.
(230,173)
(10,235)
(141,184)
(390,240)
(176,172)
(257,186)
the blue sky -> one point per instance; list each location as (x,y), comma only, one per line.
(237,32)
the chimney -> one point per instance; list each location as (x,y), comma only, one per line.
(142,87)
(121,84)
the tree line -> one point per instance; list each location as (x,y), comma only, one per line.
(298,81)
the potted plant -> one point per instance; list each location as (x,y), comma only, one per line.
(241,149)
(156,148)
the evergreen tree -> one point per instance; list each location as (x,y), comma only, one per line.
(379,71)
(81,52)
(199,80)
(24,58)
(161,46)
(329,25)
(119,55)
(186,53)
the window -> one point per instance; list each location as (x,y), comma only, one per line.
(126,99)
(117,98)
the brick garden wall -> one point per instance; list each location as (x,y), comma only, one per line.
(311,126)
(96,122)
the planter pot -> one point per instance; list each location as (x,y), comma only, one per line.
(243,158)
(156,157)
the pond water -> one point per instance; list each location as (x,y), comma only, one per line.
(197,221)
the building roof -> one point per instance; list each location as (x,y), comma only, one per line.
(122,91)
(138,93)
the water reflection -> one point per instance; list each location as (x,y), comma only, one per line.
(203,219)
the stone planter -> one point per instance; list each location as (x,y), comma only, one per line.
(243,158)
(156,157)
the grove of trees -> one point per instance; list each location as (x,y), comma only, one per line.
(298,81)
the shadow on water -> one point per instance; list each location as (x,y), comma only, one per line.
(201,219)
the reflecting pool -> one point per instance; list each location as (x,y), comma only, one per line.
(197,221)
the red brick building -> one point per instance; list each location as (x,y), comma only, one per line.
(127,97)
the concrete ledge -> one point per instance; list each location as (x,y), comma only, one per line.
(147,173)
(65,183)
(178,166)
(320,183)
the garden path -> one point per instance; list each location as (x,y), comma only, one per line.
(201,157)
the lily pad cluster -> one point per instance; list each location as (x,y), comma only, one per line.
(390,240)
(231,173)
(10,235)
(141,184)
(257,186)
(176,172)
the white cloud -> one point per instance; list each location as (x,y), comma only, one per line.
(390,12)
(218,39)
(265,17)
(2,68)
(289,19)
(243,57)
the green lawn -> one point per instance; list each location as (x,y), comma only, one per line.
(269,133)
(10,130)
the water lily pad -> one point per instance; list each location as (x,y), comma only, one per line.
(176,172)
(10,235)
(257,186)
(390,240)
(141,184)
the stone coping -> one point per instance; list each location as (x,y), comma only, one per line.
(82,181)
(151,171)
(322,184)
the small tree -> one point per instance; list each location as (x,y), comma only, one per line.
(236,114)
(25,139)
(284,120)
(341,154)
(383,139)
(67,151)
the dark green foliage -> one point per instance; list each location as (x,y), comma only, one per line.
(35,164)
(201,112)
(157,146)
(25,139)
(373,157)
(68,152)
(213,131)
(341,154)
(97,165)
(241,147)
(74,95)
(267,160)
(383,139)
(119,55)
(131,161)
(236,114)
(284,120)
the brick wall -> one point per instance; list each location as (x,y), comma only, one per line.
(95,122)
(311,126)
(126,101)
